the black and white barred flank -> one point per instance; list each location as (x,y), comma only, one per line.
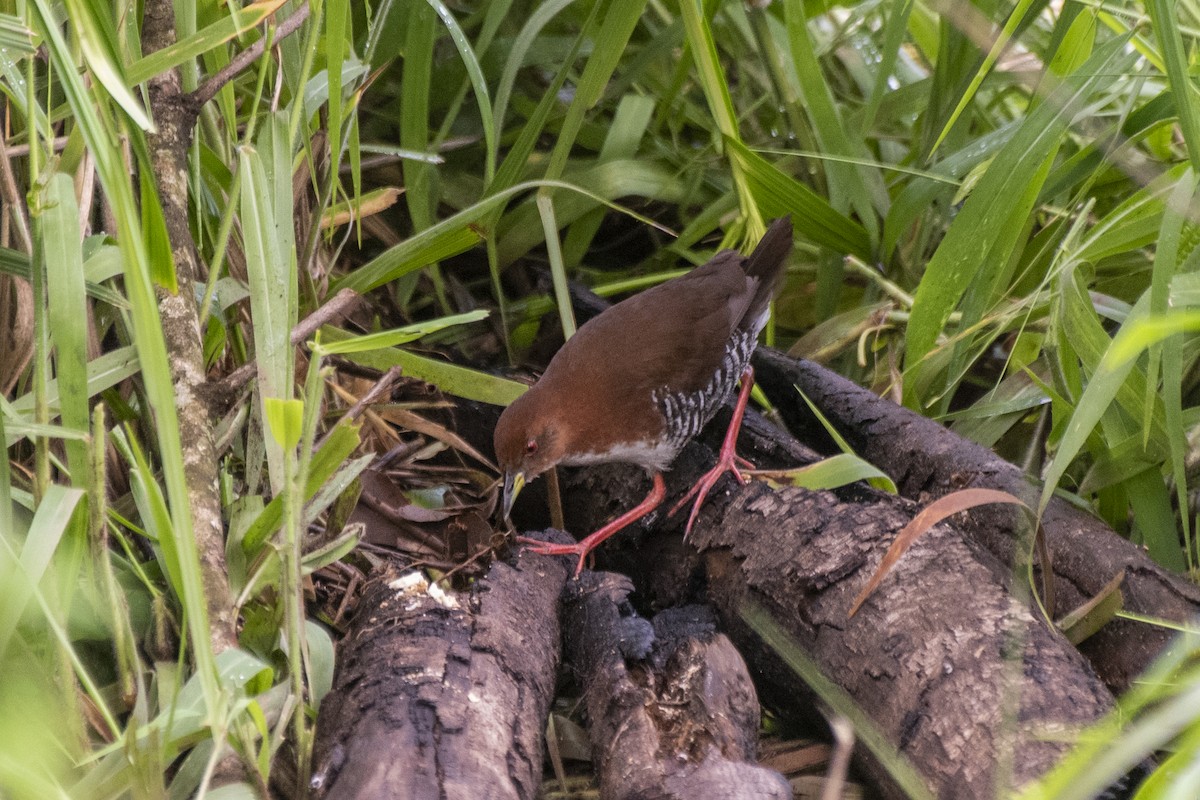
(686,413)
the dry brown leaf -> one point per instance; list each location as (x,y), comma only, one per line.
(931,515)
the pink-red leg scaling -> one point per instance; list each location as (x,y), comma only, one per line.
(587,545)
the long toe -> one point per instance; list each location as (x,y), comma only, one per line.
(581,549)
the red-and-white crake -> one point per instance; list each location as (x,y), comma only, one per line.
(637,382)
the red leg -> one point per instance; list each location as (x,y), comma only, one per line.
(727,461)
(585,546)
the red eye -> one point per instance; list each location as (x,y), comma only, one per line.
(531,447)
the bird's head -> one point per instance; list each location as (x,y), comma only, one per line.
(528,441)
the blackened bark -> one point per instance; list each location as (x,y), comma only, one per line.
(672,712)
(443,696)
(928,461)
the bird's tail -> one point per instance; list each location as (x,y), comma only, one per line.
(767,263)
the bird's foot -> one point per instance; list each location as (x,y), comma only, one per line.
(581,549)
(585,546)
(726,462)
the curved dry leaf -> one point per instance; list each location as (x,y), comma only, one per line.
(931,515)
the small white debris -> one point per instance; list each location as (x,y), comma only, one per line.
(413,584)
(441,597)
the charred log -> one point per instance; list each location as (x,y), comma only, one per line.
(928,461)
(443,695)
(671,708)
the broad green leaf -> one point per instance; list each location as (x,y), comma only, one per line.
(452,379)
(409,333)
(58,225)
(284,420)
(830,473)
(320,661)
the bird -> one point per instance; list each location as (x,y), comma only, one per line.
(642,378)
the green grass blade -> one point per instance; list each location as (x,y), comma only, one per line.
(812,216)
(197,44)
(58,224)
(716,91)
(147,326)
(845,180)
(834,472)
(1164,16)
(1169,355)
(450,378)
(96,39)
(985,233)
(265,209)
(325,463)
(338,28)
(392,338)
(478,84)
(1015,19)
(103,373)
(49,526)
(893,40)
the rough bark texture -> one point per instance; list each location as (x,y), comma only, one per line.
(175,116)
(444,698)
(955,670)
(927,461)
(672,712)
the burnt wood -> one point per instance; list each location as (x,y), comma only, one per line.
(444,698)
(672,711)
(928,461)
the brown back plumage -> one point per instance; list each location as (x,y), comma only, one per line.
(767,265)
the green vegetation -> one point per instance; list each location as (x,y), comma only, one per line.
(997,224)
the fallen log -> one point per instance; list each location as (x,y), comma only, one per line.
(672,712)
(957,672)
(928,461)
(441,695)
